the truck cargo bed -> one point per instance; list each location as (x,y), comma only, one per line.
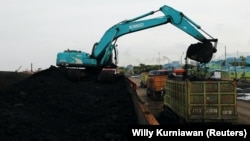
(202,101)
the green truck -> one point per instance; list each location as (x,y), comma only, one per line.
(202,100)
(143,79)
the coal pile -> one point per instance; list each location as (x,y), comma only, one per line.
(7,78)
(47,106)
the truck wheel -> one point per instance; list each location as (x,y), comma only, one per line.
(181,121)
(141,85)
(148,92)
(158,97)
(155,96)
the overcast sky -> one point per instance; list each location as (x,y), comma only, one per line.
(34,31)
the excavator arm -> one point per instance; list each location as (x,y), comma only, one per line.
(102,52)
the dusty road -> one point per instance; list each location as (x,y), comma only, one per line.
(155,107)
(243,107)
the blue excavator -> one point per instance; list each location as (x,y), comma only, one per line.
(104,53)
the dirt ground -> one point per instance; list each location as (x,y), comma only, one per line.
(47,106)
(243,108)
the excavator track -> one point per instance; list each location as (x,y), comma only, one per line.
(78,74)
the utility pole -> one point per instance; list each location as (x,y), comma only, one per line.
(31,67)
(181,58)
(159,60)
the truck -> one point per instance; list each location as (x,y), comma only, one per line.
(156,83)
(143,79)
(201,101)
(105,55)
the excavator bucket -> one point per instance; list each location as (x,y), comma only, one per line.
(201,52)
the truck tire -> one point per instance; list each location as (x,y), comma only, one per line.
(148,93)
(142,85)
(154,97)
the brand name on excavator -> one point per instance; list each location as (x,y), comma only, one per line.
(136,25)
